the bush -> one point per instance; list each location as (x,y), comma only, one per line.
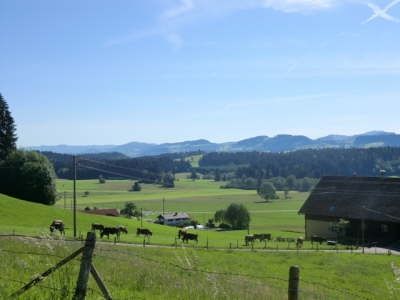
(267,191)
(136,187)
(236,216)
(130,210)
(224,226)
(102,179)
(168,180)
(28,176)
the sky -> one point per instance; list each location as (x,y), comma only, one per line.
(112,72)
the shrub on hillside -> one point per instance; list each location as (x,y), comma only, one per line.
(236,216)
(28,176)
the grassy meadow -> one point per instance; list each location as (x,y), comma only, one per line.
(200,198)
(184,273)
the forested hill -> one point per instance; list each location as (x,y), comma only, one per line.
(279,143)
(306,163)
(116,165)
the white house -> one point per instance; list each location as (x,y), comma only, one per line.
(173,219)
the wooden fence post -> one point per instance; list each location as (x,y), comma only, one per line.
(100,283)
(294,276)
(86,263)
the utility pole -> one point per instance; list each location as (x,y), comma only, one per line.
(74,197)
(163,206)
(141,217)
(363,233)
(65,200)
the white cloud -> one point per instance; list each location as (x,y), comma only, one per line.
(293,6)
(172,20)
(183,7)
(382,12)
(174,39)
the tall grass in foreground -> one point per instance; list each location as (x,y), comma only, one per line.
(137,273)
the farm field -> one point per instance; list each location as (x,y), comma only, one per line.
(182,273)
(186,271)
(200,198)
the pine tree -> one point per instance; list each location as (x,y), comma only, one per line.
(8,136)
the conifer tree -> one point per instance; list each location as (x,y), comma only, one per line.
(8,136)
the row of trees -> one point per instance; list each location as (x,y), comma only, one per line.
(150,169)
(290,183)
(312,163)
(25,175)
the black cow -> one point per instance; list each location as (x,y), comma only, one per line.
(113,230)
(299,242)
(96,226)
(146,232)
(57,225)
(189,236)
(249,238)
(317,239)
(262,237)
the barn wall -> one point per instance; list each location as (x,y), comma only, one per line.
(321,228)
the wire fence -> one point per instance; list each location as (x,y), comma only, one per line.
(104,251)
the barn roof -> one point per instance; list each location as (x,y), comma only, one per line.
(369,198)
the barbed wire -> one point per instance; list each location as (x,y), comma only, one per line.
(189,269)
(30,253)
(41,285)
(342,291)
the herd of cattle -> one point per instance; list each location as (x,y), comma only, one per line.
(117,230)
(183,234)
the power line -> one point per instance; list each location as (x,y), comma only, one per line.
(109,172)
(145,172)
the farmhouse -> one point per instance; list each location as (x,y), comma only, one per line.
(112,212)
(173,219)
(356,209)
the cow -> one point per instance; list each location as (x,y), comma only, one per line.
(122,229)
(186,236)
(299,242)
(181,233)
(96,226)
(262,237)
(146,232)
(290,240)
(57,225)
(249,238)
(280,239)
(113,230)
(317,239)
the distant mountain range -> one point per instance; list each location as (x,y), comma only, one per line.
(279,143)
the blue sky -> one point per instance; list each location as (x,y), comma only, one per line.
(110,72)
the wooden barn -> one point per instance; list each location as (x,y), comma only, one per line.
(355,209)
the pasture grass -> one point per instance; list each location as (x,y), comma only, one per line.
(184,273)
(200,198)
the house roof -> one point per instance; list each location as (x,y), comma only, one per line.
(369,198)
(174,216)
(104,211)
